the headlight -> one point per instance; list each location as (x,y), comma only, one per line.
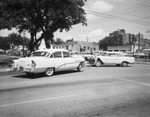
(33,64)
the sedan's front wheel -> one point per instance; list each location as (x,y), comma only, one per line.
(49,71)
(98,63)
(124,64)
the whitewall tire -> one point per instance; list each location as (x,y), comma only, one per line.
(49,71)
(98,63)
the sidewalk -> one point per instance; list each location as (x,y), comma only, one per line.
(142,62)
(5,69)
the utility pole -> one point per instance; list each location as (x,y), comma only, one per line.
(148,31)
(139,41)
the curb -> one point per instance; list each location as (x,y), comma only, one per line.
(146,63)
(5,70)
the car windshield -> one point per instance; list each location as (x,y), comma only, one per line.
(40,54)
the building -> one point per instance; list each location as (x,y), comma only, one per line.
(128,38)
(128,48)
(137,46)
(80,46)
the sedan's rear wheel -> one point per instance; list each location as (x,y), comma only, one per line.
(98,63)
(49,71)
(124,64)
(80,67)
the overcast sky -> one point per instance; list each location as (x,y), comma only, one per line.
(106,16)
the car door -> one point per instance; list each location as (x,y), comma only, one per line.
(59,62)
(111,58)
(70,62)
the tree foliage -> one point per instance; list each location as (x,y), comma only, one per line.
(58,41)
(4,43)
(110,41)
(46,16)
(70,40)
(13,40)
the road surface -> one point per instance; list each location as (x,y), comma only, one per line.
(98,91)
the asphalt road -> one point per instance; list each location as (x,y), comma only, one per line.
(104,91)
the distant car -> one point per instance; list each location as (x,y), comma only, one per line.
(112,58)
(49,61)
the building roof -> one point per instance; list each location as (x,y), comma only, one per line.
(87,43)
(81,43)
(53,50)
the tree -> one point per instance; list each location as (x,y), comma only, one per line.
(46,16)
(110,41)
(4,43)
(104,43)
(58,41)
(13,40)
(70,40)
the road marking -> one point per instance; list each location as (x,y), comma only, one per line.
(39,100)
(141,83)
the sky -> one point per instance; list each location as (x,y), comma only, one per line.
(106,16)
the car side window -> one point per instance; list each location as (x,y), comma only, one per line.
(52,56)
(119,55)
(57,55)
(104,54)
(112,55)
(66,54)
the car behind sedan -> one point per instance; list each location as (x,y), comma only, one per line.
(112,58)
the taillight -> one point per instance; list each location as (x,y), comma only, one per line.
(33,64)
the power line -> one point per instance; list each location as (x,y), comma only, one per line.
(141,3)
(125,23)
(117,17)
(134,8)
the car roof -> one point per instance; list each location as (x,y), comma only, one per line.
(52,50)
(110,52)
(113,52)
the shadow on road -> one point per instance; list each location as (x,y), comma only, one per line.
(41,75)
(109,66)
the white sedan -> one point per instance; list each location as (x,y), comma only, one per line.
(112,58)
(49,61)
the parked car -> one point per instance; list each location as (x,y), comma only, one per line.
(76,54)
(112,58)
(49,61)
